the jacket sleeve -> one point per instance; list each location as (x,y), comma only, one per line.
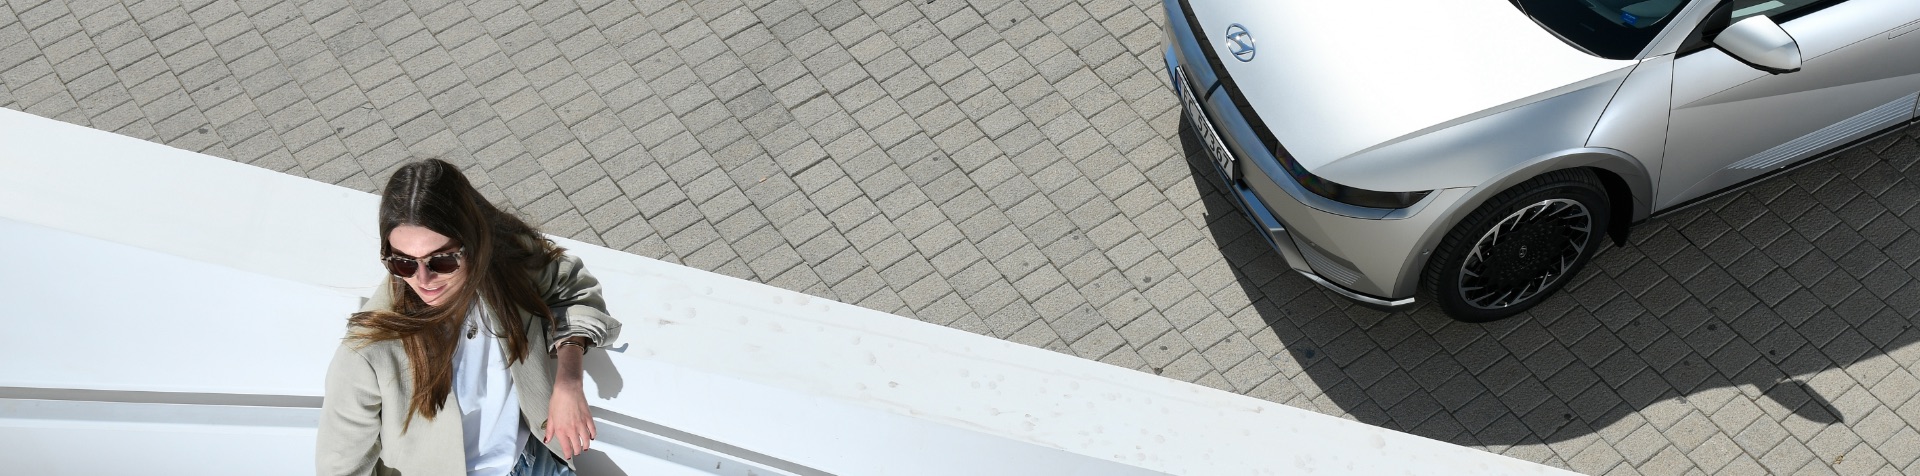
(349,439)
(575,298)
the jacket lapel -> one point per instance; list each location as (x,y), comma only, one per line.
(533,376)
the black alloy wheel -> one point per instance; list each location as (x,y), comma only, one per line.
(1518,248)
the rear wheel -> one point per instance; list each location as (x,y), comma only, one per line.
(1518,248)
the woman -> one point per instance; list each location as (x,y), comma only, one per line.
(439,372)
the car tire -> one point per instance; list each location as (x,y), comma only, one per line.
(1520,247)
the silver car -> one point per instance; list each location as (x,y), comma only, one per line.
(1475,152)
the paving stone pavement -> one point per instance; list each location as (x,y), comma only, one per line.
(1018,169)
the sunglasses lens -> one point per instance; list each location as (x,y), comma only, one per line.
(443,264)
(402,267)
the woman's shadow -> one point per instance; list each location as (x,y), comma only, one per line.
(607,382)
(599,365)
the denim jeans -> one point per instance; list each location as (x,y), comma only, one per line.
(536,460)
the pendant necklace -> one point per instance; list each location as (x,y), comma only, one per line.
(472,329)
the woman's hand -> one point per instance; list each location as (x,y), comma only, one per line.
(568,418)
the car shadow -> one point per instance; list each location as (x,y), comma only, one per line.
(1756,291)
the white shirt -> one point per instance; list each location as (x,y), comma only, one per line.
(489,405)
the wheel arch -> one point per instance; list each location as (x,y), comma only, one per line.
(1620,200)
(1628,184)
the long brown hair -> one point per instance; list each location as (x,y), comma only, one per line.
(501,253)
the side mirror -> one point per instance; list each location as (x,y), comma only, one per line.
(1760,43)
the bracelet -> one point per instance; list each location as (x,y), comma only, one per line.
(575,343)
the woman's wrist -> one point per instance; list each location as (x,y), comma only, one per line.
(567,375)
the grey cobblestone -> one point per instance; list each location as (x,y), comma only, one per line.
(1016,169)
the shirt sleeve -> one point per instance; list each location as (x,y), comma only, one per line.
(349,438)
(574,296)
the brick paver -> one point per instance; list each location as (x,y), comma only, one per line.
(1018,169)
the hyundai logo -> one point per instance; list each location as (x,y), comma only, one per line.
(1239,42)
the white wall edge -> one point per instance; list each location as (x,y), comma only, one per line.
(785,378)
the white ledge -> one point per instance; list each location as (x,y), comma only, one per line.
(155,292)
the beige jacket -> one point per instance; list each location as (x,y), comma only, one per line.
(368,388)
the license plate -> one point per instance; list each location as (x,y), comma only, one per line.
(1196,117)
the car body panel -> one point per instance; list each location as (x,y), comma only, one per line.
(1329,89)
(1732,123)
(1469,151)
(1635,124)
